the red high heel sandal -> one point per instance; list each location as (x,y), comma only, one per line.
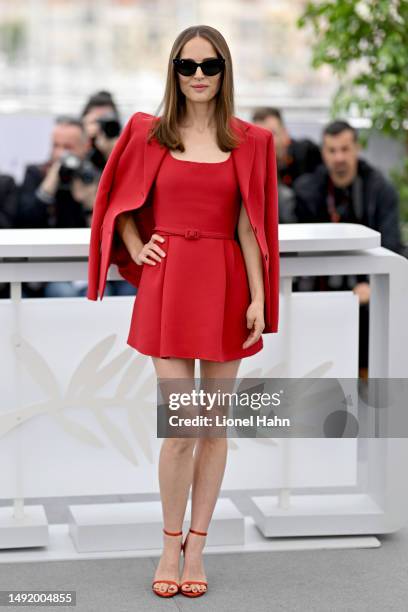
(167,593)
(192,593)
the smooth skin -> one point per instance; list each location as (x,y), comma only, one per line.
(197,462)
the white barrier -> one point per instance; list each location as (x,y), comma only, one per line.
(78,412)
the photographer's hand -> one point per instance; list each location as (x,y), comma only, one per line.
(363,292)
(84,193)
(50,183)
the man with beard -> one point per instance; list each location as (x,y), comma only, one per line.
(348,189)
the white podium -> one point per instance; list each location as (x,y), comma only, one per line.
(375,502)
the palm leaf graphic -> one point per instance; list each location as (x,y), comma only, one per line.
(267,441)
(255,373)
(231,443)
(10,420)
(105,374)
(320,370)
(146,387)
(136,424)
(304,384)
(116,437)
(78,431)
(14,419)
(130,377)
(150,407)
(39,369)
(140,432)
(275,371)
(87,366)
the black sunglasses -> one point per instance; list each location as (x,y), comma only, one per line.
(188,67)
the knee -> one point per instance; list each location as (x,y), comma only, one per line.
(180,446)
(212,442)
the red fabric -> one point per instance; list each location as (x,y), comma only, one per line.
(126,185)
(193,303)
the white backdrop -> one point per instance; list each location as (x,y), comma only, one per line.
(86,421)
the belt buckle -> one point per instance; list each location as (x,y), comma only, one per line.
(190,234)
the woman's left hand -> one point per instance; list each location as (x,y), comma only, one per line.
(255,320)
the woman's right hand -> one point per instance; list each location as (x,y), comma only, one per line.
(150,250)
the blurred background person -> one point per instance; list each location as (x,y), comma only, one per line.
(8,212)
(8,201)
(294,158)
(346,188)
(101,121)
(349,189)
(102,124)
(48,196)
(100,118)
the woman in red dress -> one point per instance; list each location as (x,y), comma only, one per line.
(201,293)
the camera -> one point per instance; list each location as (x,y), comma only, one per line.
(110,125)
(73,166)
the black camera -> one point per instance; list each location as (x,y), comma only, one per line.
(73,166)
(110,125)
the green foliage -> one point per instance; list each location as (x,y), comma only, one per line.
(366,44)
(12,39)
(400,180)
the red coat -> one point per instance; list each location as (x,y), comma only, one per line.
(125,185)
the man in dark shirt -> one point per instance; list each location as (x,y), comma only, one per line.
(48,195)
(8,211)
(8,201)
(45,200)
(294,156)
(348,189)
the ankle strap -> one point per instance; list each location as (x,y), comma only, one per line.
(203,533)
(172,533)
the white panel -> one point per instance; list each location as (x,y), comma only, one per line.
(83,436)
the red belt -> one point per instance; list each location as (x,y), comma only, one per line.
(191,233)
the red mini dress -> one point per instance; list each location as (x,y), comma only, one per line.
(193,303)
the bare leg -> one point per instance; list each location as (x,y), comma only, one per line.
(175,476)
(209,466)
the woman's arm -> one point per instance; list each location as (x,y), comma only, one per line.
(252,257)
(253,262)
(127,230)
(141,253)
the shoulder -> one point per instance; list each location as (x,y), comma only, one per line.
(139,123)
(35,171)
(303,145)
(7,182)
(259,132)
(376,179)
(141,118)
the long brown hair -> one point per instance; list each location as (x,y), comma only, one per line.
(165,128)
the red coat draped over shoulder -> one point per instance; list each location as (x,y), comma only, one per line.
(125,185)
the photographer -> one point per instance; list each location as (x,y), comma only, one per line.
(59,193)
(46,194)
(100,119)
